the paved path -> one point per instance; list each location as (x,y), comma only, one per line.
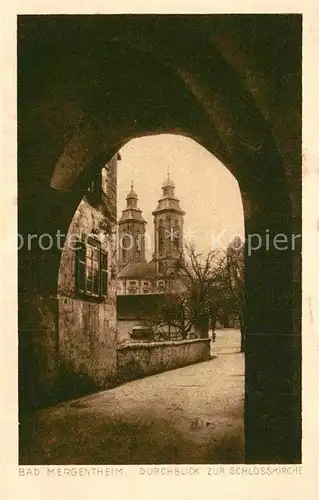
(189,415)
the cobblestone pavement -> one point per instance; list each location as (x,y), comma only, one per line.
(189,415)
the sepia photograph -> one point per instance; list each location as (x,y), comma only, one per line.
(159,239)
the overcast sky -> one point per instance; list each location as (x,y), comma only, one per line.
(208,192)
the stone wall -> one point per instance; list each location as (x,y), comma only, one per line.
(125,328)
(87,326)
(38,351)
(87,344)
(137,360)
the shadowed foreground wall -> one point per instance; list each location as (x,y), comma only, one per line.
(141,359)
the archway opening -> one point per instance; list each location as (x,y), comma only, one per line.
(222,92)
(209,195)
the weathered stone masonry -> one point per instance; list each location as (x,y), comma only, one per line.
(87,325)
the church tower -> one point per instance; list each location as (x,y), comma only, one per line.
(131,232)
(168,227)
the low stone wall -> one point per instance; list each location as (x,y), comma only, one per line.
(125,328)
(137,360)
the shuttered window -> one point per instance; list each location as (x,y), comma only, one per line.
(92,269)
(81,259)
(104,273)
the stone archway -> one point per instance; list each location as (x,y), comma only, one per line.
(87,85)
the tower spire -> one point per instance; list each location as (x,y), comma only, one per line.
(168,220)
(131,230)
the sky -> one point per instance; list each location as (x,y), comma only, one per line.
(208,192)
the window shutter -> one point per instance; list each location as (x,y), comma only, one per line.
(104,273)
(80,271)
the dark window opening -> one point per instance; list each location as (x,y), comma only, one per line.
(138,245)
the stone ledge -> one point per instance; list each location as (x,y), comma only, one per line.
(133,345)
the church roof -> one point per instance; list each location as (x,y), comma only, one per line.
(168,205)
(138,270)
(131,214)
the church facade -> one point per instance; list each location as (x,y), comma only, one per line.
(136,275)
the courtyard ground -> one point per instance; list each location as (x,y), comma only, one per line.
(188,415)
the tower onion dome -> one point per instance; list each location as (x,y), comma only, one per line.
(168,182)
(168,202)
(132,193)
(168,187)
(131,211)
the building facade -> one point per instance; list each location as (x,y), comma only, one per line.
(87,288)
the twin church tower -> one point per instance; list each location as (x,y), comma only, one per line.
(168,238)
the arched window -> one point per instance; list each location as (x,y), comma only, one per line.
(161,237)
(176,237)
(138,244)
(125,245)
(104,179)
(161,286)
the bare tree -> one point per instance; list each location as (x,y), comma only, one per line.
(203,288)
(232,283)
(196,277)
(163,317)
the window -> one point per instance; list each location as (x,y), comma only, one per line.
(146,287)
(126,245)
(99,183)
(138,245)
(94,188)
(92,272)
(124,253)
(176,239)
(104,178)
(176,236)
(161,238)
(132,287)
(161,286)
